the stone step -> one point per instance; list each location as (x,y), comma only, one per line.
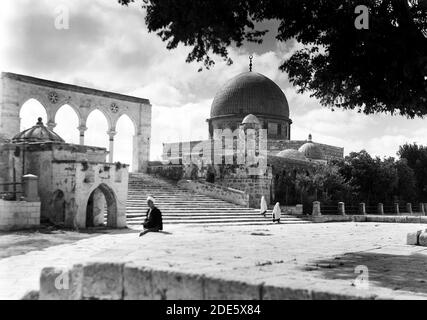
(184,208)
(181,206)
(223,221)
(185,216)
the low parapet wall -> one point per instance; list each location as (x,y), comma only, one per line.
(128,281)
(18,215)
(368,218)
(216,191)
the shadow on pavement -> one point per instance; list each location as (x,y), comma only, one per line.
(396,272)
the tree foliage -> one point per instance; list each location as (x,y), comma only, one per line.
(379,180)
(381,69)
(416,158)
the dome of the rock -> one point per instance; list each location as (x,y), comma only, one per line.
(250,93)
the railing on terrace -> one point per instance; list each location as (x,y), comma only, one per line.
(355,209)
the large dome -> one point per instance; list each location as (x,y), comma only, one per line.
(250,93)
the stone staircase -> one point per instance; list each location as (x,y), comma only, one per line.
(180,206)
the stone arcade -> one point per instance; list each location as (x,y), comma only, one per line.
(63,183)
(16,89)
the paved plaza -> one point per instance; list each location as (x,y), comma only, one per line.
(325,257)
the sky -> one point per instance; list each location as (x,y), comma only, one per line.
(107,46)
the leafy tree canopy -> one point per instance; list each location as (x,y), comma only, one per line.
(379,69)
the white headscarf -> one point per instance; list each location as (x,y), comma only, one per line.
(150,198)
(277,212)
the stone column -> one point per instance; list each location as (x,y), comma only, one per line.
(141,153)
(316,209)
(111,134)
(422,209)
(409,208)
(9,108)
(341,208)
(380,208)
(30,188)
(396,208)
(362,208)
(82,129)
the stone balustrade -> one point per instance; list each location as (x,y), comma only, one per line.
(395,209)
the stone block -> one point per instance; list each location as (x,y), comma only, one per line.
(283,293)
(177,286)
(137,283)
(103,281)
(412,238)
(422,239)
(412,219)
(220,289)
(61,284)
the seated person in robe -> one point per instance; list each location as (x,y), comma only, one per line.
(153,222)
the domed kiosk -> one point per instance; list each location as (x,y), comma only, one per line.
(38,133)
(251,93)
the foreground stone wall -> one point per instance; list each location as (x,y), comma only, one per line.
(255,187)
(116,281)
(18,215)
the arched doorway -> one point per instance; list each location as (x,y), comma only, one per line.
(102,200)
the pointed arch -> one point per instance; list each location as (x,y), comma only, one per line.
(98,126)
(67,121)
(101,197)
(30,111)
(123,141)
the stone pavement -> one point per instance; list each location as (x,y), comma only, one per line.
(324,257)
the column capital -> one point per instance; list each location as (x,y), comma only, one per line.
(51,125)
(82,128)
(112,132)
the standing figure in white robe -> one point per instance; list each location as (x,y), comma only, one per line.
(277,213)
(263,208)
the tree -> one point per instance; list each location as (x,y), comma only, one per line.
(379,69)
(416,159)
(406,188)
(385,180)
(324,183)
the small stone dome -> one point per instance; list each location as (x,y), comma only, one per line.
(311,150)
(38,133)
(292,154)
(251,119)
